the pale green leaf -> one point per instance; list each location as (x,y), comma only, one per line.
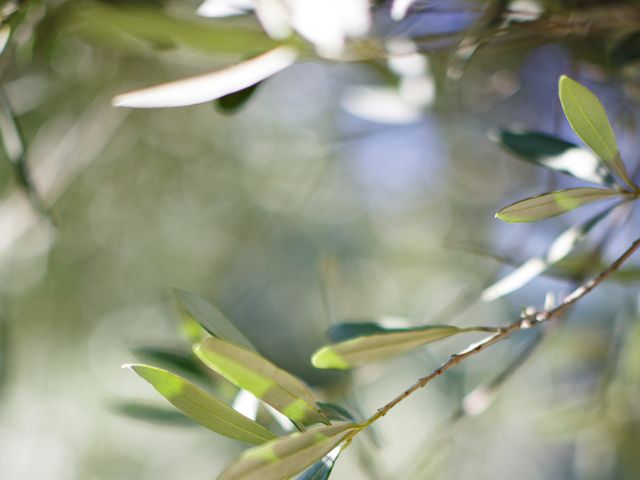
(202,407)
(287,456)
(551,204)
(562,246)
(254,373)
(589,120)
(368,348)
(193,308)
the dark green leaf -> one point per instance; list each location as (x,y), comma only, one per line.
(555,154)
(336,412)
(232,102)
(173,359)
(321,470)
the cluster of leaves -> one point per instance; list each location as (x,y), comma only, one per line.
(602,165)
(313,433)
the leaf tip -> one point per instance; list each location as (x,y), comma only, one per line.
(327,357)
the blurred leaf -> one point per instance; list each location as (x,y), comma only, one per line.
(272,385)
(184,361)
(347,330)
(99,20)
(559,249)
(368,348)
(336,412)
(286,456)
(321,470)
(554,153)
(589,120)
(202,407)
(153,413)
(232,102)
(551,204)
(207,87)
(193,308)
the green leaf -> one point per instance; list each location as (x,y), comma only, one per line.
(336,412)
(347,330)
(555,154)
(232,102)
(551,204)
(589,120)
(193,308)
(361,350)
(559,249)
(174,359)
(272,385)
(152,413)
(286,456)
(202,407)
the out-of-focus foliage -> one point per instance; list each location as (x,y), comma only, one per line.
(357,182)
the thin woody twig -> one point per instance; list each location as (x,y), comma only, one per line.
(528,320)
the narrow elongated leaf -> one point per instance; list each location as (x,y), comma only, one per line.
(208,87)
(272,385)
(552,204)
(555,154)
(321,470)
(559,249)
(192,307)
(347,330)
(174,359)
(336,412)
(153,413)
(361,350)
(589,120)
(202,407)
(286,456)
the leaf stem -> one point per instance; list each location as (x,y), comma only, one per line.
(527,320)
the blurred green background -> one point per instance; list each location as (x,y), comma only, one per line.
(290,215)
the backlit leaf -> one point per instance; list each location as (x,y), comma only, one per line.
(551,204)
(555,154)
(202,407)
(193,308)
(589,120)
(174,359)
(287,456)
(559,249)
(368,348)
(271,384)
(208,87)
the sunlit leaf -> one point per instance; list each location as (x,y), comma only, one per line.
(369,348)
(551,204)
(272,385)
(210,86)
(202,407)
(193,308)
(589,120)
(321,470)
(153,413)
(287,456)
(559,249)
(555,154)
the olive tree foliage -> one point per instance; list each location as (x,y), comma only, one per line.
(300,435)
